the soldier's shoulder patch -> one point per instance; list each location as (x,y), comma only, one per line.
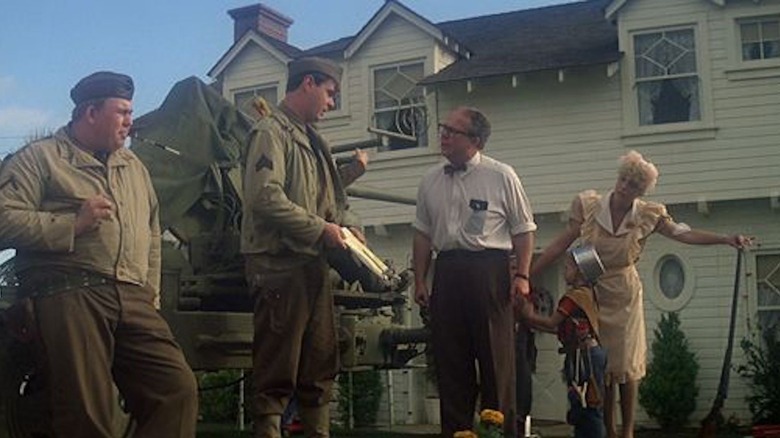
(264,163)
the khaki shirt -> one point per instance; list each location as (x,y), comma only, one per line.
(291,186)
(42,188)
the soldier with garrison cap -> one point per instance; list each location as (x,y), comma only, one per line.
(294,208)
(80,210)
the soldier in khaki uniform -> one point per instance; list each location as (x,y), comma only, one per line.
(295,205)
(81,212)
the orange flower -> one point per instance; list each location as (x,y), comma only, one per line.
(490,416)
(465,434)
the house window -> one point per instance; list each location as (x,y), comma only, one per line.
(399,106)
(244,99)
(768,291)
(667,77)
(760,38)
(673,281)
(671,277)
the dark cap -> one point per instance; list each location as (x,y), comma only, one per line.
(101,85)
(302,66)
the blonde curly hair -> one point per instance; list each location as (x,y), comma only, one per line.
(638,170)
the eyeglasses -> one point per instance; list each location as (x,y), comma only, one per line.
(448,131)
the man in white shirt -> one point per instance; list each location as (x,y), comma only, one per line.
(472,212)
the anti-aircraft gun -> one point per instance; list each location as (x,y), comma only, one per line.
(193,146)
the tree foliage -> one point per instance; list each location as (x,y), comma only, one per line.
(219,396)
(365,394)
(762,369)
(669,391)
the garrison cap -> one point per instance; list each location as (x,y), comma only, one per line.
(311,64)
(101,85)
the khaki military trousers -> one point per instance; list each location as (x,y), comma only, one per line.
(92,337)
(295,350)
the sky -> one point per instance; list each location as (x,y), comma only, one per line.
(46,46)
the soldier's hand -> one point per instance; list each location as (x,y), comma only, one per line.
(92,211)
(332,236)
(421,294)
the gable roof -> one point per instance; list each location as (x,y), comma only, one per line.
(615,6)
(278,49)
(548,38)
(395,7)
(333,49)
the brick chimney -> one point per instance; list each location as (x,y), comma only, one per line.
(262,19)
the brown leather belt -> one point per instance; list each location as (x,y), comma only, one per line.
(453,254)
(34,284)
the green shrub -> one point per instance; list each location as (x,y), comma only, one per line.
(365,393)
(763,372)
(669,391)
(219,395)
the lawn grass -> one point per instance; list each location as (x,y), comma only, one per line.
(223,431)
(227,431)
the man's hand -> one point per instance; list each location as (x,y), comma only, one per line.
(524,308)
(521,289)
(361,157)
(521,286)
(421,294)
(332,236)
(92,211)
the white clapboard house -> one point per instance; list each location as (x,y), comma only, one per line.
(692,84)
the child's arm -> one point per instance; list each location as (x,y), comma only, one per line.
(546,323)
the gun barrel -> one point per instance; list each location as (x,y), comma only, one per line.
(362,192)
(398,336)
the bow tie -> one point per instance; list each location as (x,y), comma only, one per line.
(450,169)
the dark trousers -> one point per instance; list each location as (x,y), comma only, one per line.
(472,327)
(295,348)
(94,336)
(525,360)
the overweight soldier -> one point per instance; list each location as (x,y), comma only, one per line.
(294,208)
(80,210)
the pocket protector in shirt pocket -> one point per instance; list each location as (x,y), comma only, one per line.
(476,221)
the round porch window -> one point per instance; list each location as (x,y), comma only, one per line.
(671,277)
(674,282)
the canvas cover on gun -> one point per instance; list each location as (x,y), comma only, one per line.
(208,132)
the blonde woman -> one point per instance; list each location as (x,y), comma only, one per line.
(617,224)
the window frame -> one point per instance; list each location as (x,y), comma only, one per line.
(759,22)
(738,69)
(663,34)
(424,137)
(658,297)
(634,133)
(754,260)
(254,88)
